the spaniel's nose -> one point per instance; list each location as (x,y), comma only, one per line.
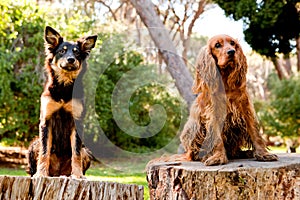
(231,52)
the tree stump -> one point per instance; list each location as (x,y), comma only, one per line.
(66,188)
(239,179)
(13,155)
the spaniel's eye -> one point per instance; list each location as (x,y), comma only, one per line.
(232,43)
(218,45)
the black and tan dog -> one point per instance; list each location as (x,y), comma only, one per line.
(59,149)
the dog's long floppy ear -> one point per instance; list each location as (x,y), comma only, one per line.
(206,72)
(52,38)
(238,76)
(87,43)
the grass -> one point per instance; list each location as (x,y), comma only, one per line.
(12,172)
(112,175)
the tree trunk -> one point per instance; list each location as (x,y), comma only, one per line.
(287,64)
(239,179)
(298,53)
(65,188)
(162,40)
(278,68)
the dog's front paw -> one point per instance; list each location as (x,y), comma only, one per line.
(74,176)
(216,159)
(40,174)
(265,156)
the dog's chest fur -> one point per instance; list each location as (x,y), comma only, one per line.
(66,107)
(59,92)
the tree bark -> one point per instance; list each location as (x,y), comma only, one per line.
(65,188)
(239,179)
(162,40)
(287,64)
(278,68)
(298,53)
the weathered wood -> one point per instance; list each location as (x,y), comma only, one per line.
(239,179)
(13,155)
(12,187)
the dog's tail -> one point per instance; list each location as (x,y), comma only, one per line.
(90,154)
(87,158)
(32,157)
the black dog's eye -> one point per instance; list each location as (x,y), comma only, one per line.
(76,52)
(218,45)
(62,51)
(232,43)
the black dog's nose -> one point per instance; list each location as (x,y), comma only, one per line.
(231,52)
(71,60)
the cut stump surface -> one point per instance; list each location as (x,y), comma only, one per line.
(239,179)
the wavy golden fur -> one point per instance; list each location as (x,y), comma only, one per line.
(222,119)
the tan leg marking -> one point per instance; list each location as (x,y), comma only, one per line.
(76,161)
(44,159)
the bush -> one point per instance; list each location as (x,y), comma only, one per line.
(127,96)
(281,115)
(21,61)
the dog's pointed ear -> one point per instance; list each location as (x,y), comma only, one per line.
(52,38)
(87,43)
(206,71)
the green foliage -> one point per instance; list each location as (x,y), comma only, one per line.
(71,24)
(21,59)
(281,116)
(238,9)
(122,73)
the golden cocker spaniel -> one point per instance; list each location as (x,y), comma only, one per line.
(222,123)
